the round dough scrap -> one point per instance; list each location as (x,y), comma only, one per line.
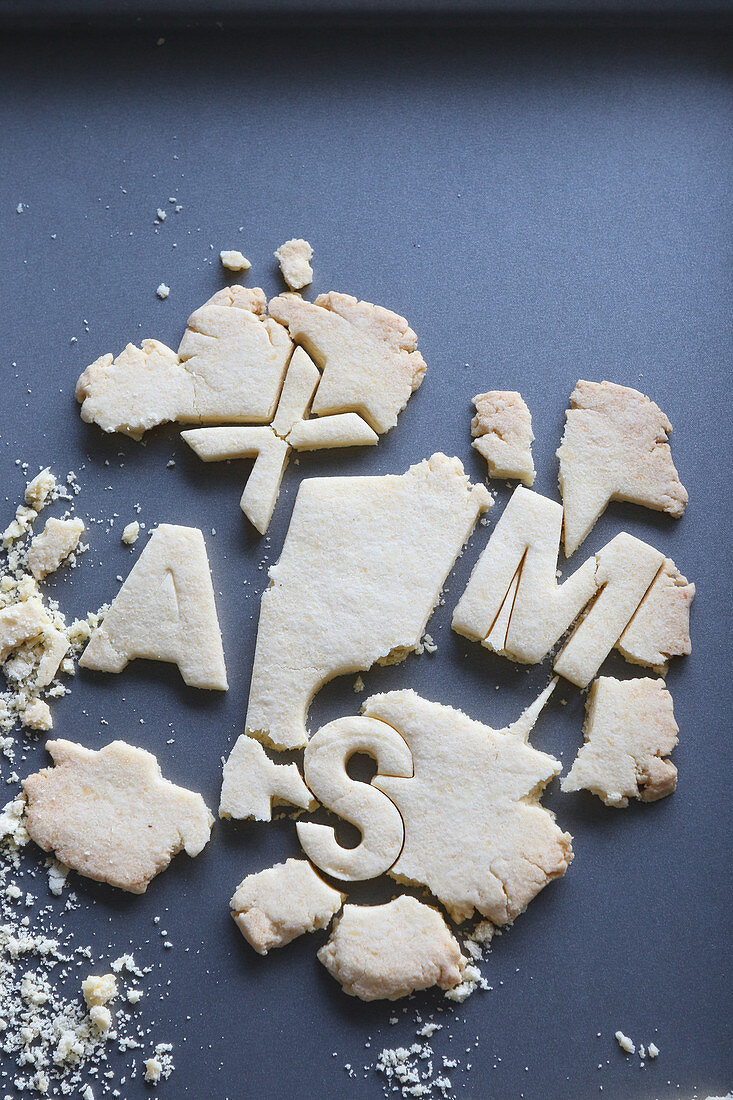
(384,952)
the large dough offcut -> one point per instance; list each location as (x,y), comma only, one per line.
(614,448)
(110,814)
(660,628)
(274,906)
(252,784)
(368,354)
(383,952)
(502,431)
(165,611)
(475,832)
(360,573)
(629,729)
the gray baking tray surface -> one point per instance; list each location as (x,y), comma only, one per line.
(541,207)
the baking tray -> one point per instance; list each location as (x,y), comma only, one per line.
(542,207)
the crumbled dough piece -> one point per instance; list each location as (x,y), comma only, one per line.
(130,533)
(368,355)
(111,816)
(20,622)
(40,489)
(626,1044)
(475,832)
(37,715)
(141,388)
(59,538)
(233,260)
(270,452)
(653,1050)
(378,820)
(153,1070)
(294,259)
(165,611)
(339,430)
(101,1018)
(253,784)
(230,366)
(629,729)
(237,356)
(163,291)
(660,628)
(502,433)
(614,448)
(301,382)
(514,606)
(389,951)
(359,575)
(99,989)
(275,906)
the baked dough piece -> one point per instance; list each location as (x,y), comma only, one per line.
(237,356)
(368,355)
(502,433)
(382,833)
(294,258)
(360,573)
(300,384)
(475,832)
(59,538)
(229,367)
(660,628)
(253,784)
(165,611)
(383,952)
(21,622)
(339,430)
(271,456)
(275,906)
(614,448)
(111,816)
(629,729)
(141,388)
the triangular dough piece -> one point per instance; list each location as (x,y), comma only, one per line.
(360,573)
(368,354)
(660,628)
(165,611)
(271,454)
(475,832)
(300,384)
(614,448)
(502,431)
(384,952)
(111,816)
(252,784)
(629,729)
(275,906)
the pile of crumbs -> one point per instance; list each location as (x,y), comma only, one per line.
(55,1029)
(37,646)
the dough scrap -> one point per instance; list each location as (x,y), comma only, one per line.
(325,759)
(294,259)
(141,388)
(271,454)
(660,628)
(629,729)
(237,357)
(275,906)
(233,260)
(339,430)
(384,952)
(111,816)
(230,366)
(59,538)
(614,448)
(253,784)
(368,355)
(37,715)
(475,832)
(300,384)
(514,606)
(359,575)
(502,433)
(21,622)
(165,611)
